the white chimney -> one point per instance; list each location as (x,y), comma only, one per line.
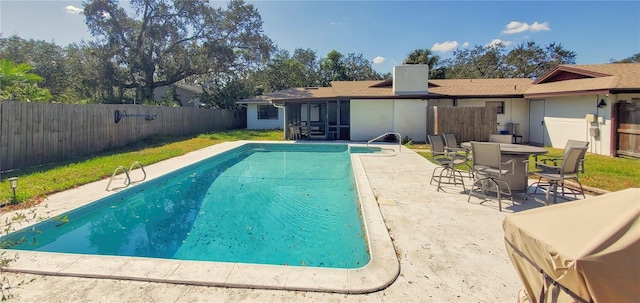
(410,79)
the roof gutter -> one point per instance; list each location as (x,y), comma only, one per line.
(571,93)
(625,90)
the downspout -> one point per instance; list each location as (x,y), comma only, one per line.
(613,147)
(284,118)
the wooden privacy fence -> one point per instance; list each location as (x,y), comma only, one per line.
(39,133)
(467,123)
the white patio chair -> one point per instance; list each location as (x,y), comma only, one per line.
(294,132)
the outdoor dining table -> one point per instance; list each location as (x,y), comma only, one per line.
(518,153)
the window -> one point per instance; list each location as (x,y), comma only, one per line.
(267,112)
(498,104)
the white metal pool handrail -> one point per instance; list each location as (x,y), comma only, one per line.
(127,180)
(144,176)
(384,135)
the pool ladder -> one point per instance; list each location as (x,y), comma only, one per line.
(127,180)
(398,136)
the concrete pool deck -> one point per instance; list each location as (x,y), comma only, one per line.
(448,250)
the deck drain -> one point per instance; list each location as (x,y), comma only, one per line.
(387,202)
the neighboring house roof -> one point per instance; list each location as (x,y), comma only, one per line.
(191,88)
(587,79)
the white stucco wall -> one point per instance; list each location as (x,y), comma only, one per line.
(371,118)
(254,123)
(410,119)
(565,119)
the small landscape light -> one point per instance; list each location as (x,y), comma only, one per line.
(13,182)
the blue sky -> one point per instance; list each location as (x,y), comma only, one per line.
(386,31)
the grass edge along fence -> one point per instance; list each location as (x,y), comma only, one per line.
(36,183)
(33,133)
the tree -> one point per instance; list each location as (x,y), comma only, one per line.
(555,55)
(92,80)
(353,67)
(225,95)
(164,42)
(633,59)
(18,83)
(282,72)
(477,62)
(357,68)
(527,60)
(426,56)
(48,61)
(332,68)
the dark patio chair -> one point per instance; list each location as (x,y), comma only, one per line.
(489,170)
(456,151)
(557,175)
(500,138)
(556,160)
(447,163)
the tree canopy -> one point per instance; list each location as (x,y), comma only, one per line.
(302,69)
(527,60)
(18,83)
(631,59)
(426,56)
(164,42)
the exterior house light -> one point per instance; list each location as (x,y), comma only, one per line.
(13,182)
(602,103)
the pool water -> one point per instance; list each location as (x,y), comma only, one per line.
(282,204)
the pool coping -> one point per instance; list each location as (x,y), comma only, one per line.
(380,272)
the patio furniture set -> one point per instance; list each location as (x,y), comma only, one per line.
(499,168)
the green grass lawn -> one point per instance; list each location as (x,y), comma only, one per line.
(36,183)
(601,172)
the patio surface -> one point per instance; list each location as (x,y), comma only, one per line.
(449,250)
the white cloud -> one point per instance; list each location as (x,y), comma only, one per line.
(515,27)
(378,60)
(444,46)
(495,42)
(465,45)
(73,10)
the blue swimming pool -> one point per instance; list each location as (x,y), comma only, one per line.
(283,204)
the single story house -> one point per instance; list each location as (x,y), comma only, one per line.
(187,94)
(598,103)
(582,102)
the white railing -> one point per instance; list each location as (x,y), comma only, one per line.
(127,179)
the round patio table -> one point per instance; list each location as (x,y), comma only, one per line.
(518,153)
